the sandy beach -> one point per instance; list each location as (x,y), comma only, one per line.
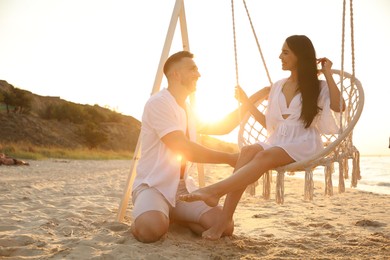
(66,209)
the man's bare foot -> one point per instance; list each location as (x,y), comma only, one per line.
(218,230)
(200,194)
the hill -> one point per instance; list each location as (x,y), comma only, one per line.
(46,121)
(72,126)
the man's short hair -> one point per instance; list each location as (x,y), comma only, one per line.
(174,58)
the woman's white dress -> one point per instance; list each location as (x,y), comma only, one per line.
(290,134)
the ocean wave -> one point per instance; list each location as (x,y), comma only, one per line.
(383,184)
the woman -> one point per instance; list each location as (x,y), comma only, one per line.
(299,109)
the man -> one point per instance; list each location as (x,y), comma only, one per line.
(168,140)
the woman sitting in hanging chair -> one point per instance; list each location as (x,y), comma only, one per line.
(299,109)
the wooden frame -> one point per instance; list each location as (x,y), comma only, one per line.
(177,14)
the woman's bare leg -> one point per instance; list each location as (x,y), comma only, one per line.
(247,174)
(226,218)
(235,185)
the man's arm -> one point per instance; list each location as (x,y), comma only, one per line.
(180,144)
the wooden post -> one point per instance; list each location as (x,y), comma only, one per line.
(178,13)
(129,183)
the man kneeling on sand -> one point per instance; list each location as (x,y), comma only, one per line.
(168,141)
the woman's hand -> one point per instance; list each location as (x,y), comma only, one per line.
(326,65)
(334,92)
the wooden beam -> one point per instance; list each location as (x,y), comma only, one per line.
(178,13)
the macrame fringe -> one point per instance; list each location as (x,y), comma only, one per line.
(280,188)
(355,169)
(346,168)
(267,179)
(331,166)
(341,176)
(309,184)
(251,189)
(328,171)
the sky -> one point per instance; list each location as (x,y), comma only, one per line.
(106,52)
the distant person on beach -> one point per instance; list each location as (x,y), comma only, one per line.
(299,109)
(5,160)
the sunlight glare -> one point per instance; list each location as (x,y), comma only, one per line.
(210,109)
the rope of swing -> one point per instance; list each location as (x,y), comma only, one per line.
(343,51)
(257,42)
(342,67)
(235,43)
(255,36)
(352,39)
(235,48)
(236,62)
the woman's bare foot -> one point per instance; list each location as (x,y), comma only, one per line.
(218,230)
(201,194)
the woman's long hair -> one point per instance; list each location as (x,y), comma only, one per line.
(308,83)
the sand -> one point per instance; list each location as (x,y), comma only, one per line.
(66,209)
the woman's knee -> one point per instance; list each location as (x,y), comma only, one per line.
(150,226)
(272,158)
(251,149)
(248,153)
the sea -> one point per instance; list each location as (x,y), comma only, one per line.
(374,171)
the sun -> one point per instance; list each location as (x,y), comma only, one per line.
(208,113)
(210,107)
(203,110)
